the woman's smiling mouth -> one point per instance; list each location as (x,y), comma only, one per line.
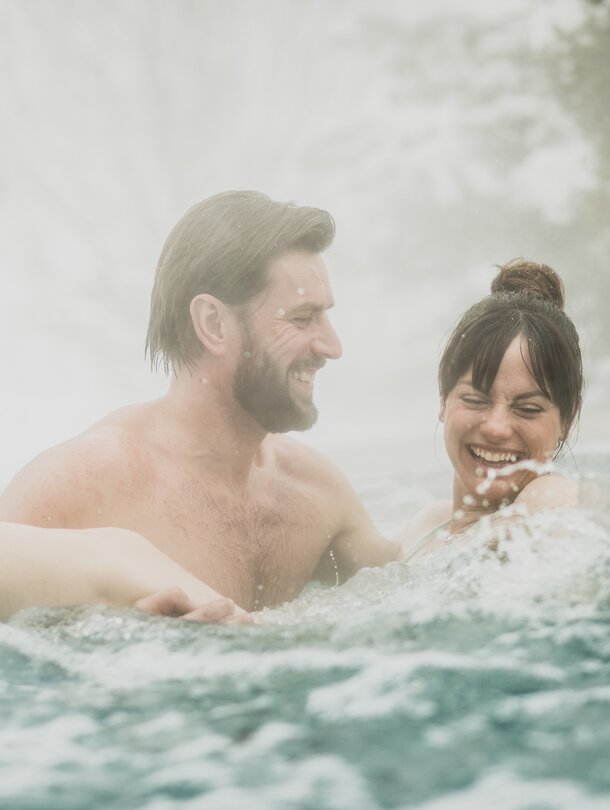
(495,458)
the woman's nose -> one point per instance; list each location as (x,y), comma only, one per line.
(497,423)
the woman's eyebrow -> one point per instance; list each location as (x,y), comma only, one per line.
(530,394)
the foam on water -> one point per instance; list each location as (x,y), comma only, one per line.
(476,675)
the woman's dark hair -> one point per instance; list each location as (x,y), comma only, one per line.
(527,299)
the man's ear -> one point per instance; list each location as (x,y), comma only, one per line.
(441,410)
(209,316)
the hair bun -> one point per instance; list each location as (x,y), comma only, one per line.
(540,280)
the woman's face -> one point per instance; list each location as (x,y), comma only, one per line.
(515,422)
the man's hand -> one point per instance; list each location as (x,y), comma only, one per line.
(174,602)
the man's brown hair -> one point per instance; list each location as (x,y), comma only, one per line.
(223,246)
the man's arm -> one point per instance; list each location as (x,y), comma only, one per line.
(65,567)
(357,543)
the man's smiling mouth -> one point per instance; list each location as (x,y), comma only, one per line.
(304,375)
(495,458)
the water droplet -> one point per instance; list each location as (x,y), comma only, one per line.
(248,354)
(332,557)
(300,291)
(203,380)
(281,312)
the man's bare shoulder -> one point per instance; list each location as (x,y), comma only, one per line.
(295,456)
(303,463)
(57,487)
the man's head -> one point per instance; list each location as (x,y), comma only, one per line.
(223,247)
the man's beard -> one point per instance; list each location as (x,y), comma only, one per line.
(263,392)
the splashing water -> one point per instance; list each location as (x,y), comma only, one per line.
(480,669)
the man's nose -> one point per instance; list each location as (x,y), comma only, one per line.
(326,342)
(497,423)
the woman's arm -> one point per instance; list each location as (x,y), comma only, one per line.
(63,567)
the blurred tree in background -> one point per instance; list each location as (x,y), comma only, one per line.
(579,77)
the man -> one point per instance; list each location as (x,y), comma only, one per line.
(239,315)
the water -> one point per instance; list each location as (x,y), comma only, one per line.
(470,678)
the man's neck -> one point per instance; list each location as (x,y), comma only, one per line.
(202,420)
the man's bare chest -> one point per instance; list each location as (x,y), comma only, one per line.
(260,546)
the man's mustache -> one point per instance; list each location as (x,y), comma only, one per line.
(315,363)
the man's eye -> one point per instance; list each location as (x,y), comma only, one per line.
(302,320)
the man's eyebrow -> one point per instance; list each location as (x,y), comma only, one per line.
(307,306)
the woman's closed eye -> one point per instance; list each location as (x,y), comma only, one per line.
(474,400)
(529,410)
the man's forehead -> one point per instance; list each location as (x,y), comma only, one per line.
(298,276)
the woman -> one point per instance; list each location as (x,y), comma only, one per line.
(510,381)
(62,567)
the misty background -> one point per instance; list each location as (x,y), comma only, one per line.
(444,138)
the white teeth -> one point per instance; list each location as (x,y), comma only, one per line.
(494,458)
(303,376)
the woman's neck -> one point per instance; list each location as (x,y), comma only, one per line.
(468,508)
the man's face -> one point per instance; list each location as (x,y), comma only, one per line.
(286,338)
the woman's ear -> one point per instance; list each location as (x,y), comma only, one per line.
(441,410)
(209,316)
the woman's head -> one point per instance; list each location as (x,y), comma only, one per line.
(527,299)
(510,377)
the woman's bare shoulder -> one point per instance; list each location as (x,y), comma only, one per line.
(425,521)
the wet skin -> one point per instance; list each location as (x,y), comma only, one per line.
(514,422)
(251,512)
(286,338)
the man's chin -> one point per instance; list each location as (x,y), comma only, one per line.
(285,419)
(298,421)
